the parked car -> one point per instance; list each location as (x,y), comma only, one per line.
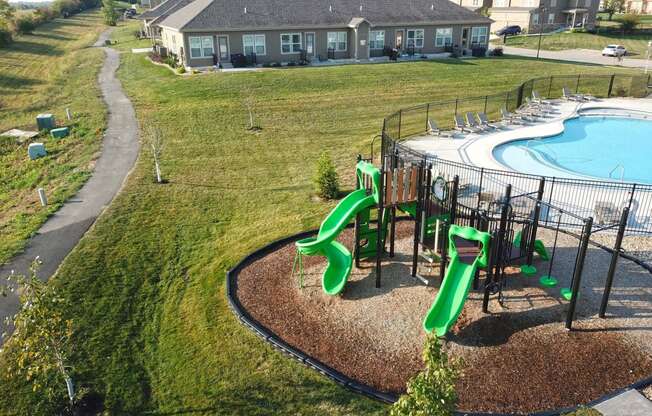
(614,50)
(509,31)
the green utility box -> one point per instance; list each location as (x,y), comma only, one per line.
(60,133)
(36,150)
(45,122)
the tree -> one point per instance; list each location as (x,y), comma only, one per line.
(629,21)
(249,103)
(154,138)
(41,338)
(6,11)
(432,391)
(613,6)
(110,15)
(325,179)
(24,23)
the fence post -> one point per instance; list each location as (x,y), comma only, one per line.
(418,211)
(356,229)
(427,115)
(549,87)
(577,87)
(614,262)
(519,99)
(400,118)
(499,249)
(611,85)
(380,246)
(577,276)
(507,101)
(477,206)
(456,100)
(535,222)
(486,98)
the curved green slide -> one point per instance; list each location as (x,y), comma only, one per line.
(453,292)
(339,258)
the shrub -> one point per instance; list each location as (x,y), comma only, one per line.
(629,21)
(24,23)
(267,65)
(432,391)
(292,63)
(326,180)
(276,65)
(5,34)
(181,70)
(584,412)
(497,52)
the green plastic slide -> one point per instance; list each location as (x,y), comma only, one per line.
(539,247)
(339,258)
(455,289)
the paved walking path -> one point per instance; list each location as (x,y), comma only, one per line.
(587,56)
(629,403)
(61,232)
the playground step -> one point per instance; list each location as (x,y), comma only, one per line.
(630,403)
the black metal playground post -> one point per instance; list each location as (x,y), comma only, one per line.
(614,261)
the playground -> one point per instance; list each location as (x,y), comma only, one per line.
(547,306)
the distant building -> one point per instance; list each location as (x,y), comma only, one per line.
(543,15)
(638,6)
(474,5)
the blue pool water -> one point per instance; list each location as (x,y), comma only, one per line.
(598,147)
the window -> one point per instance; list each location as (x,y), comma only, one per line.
(377,39)
(444,37)
(201,46)
(478,36)
(415,38)
(337,41)
(553,3)
(254,44)
(476,2)
(535,18)
(531,3)
(551,18)
(501,3)
(207,45)
(290,43)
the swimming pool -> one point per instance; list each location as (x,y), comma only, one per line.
(603,147)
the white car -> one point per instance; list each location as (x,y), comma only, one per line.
(614,50)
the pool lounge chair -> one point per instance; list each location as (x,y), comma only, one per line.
(568,95)
(472,122)
(433,129)
(543,108)
(512,117)
(461,125)
(484,121)
(536,97)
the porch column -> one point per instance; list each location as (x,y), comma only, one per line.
(574,16)
(355,49)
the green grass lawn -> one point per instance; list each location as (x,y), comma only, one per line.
(635,44)
(46,72)
(153,332)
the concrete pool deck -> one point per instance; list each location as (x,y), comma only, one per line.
(476,149)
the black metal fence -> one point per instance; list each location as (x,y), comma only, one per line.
(601,200)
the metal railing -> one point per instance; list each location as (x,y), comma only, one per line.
(601,200)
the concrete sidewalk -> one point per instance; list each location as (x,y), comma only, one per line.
(587,56)
(61,232)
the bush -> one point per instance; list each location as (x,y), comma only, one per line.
(5,34)
(276,65)
(584,412)
(497,52)
(24,23)
(292,63)
(432,391)
(629,21)
(181,70)
(326,180)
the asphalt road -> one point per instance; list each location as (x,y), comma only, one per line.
(587,56)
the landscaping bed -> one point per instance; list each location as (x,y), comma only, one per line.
(517,359)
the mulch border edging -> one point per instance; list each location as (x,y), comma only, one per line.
(269,336)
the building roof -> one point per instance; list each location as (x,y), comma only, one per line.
(164,9)
(207,15)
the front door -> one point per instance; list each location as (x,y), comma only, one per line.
(310,44)
(223,48)
(465,37)
(399,39)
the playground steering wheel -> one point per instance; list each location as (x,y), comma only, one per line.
(440,189)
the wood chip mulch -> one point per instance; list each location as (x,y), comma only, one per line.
(519,359)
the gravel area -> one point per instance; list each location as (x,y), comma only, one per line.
(518,358)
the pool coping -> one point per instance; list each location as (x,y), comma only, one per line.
(347,382)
